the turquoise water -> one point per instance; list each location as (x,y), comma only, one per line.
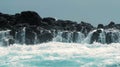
(56,54)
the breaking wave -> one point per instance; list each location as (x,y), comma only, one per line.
(57,54)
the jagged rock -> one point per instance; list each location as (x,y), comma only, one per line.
(112,37)
(49,20)
(30,36)
(45,36)
(111,25)
(29,17)
(95,36)
(108,38)
(75,36)
(28,27)
(100,26)
(117,26)
(78,27)
(84,27)
(61,24)
(65,36)
(3,22)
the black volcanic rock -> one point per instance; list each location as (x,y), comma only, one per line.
(117,26)
(9,18)
(30,36)
(28,27)
(3,22)
(100,26)
(66,25)
(28,17)
(111,25)
(45,36)
(84,27)
(108,38)
(48,23)
(49,20)
(95,36)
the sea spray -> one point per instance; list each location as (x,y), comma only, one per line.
(57,54)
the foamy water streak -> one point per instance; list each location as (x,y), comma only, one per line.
(56,54)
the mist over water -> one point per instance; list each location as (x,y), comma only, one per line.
(57,54)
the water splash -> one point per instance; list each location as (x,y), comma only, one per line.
(69,37)
(4,37)
(56,54)
(22,37)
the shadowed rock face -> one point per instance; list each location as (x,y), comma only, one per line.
(28,27)
(28,17)
(95,36)
(100,26)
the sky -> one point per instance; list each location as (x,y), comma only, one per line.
(91,11)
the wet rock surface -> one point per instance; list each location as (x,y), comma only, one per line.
(28,27)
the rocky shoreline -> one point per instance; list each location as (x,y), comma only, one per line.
(38,30)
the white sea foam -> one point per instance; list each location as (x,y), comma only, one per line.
(56,54)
